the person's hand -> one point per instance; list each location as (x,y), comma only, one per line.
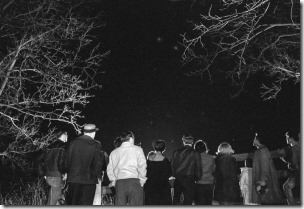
(171,181)
(142,183)
(112,184)
(283,159)
(64,176)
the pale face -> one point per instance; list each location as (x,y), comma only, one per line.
(64,137)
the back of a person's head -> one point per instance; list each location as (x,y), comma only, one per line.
(159,145)
(117,142)
(260,136)
(201,146)
(126,136)
(293,134)
(187,139)
(225,148)
(151,155)
(59,133)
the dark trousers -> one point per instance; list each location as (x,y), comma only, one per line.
(80,194)
(203,194)
(185,185)
(129,192)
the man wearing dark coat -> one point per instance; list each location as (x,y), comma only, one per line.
(84,167)
(53,170)
(186,166)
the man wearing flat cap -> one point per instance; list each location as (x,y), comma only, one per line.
(186,168)
(84,167)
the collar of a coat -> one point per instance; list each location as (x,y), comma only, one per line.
(126,144)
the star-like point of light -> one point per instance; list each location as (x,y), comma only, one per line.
(159,39)
(175,48)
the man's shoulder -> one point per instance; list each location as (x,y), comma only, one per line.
(190,149)
(185,148)
(78,138)
(180,149)
(56,145)
(83,139)
(121,149)
(97,142)
(114,151)
(207,156)
(137,147)
(132,147)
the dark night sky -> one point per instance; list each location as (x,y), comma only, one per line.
(145,88)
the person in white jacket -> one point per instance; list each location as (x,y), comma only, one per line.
(127,170)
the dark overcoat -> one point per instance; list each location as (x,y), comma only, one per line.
(84,161)
(227,187)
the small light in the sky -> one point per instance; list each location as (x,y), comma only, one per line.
(159,39)
(175,48)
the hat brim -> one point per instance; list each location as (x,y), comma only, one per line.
(91,130)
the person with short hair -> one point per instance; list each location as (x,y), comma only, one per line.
(117,142)
(204,186)
(54,170)
(106,181)
(186,166)
(84,159)
(127,170)
(227,189)
(264,175)
(157,187)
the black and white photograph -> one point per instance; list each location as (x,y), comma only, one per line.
(151,103)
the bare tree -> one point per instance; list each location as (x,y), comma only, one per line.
(255,36)
(49,61)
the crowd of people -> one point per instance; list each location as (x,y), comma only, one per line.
(194,176)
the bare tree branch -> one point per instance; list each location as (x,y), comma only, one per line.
(254,36)
(49,62)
